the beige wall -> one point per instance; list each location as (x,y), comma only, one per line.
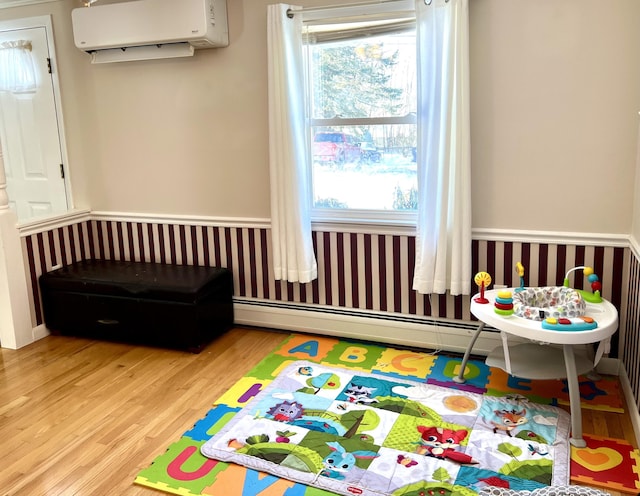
(635,231)
(555,101)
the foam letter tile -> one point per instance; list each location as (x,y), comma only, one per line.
(404,364)
(182,468)
(547,391)
(212,423)
(242,392)
(446,368)
(608,463)
(356,356)
(301,347)
(269,368)
(240,481)
(603,394)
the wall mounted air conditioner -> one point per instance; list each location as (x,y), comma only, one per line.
(149,29)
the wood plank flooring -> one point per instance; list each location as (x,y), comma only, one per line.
(83,417)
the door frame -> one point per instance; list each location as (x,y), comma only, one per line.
(16,323)
(45,22)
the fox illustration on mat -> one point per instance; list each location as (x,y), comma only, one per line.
(509,420)
(442,443)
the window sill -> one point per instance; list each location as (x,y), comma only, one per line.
(364,221)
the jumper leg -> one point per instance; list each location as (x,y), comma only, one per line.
(574,397)
(460,378)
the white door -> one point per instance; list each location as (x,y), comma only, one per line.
(31,149)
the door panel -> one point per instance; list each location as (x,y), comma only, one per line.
(30,140)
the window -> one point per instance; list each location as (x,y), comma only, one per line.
(17,71)
(362,115)
(443,216)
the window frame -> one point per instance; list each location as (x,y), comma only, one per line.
(330,218)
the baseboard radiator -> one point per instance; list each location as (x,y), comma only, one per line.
(431,334)
(384,327)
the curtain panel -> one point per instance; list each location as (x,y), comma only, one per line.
(292,245)
(443,240)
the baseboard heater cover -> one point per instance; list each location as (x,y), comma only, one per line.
(385,327)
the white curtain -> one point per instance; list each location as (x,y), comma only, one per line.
(292,244)
(443,242)
(17,70)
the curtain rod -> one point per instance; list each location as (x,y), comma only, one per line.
(291,13)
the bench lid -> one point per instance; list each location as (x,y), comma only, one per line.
(135,279)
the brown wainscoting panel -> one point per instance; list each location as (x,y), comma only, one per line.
(355,270)
(631,351)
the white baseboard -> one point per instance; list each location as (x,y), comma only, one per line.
(632,408)
(40,332)
(609,366)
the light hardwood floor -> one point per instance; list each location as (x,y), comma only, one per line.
(82,417)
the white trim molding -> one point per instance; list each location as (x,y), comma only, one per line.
(481,234)
(631,406)
(634,246)
(182,219)
(552,237)
(41,225)
(7,4)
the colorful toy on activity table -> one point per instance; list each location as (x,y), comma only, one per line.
(520,271)
(504,303)
(596,285)
(482,280)
(557,308)
(582,323)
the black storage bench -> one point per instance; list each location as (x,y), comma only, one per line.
(174,306)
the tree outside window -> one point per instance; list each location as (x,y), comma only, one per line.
(363,127)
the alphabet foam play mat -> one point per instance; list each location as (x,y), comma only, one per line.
(351,432)
(182,469)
